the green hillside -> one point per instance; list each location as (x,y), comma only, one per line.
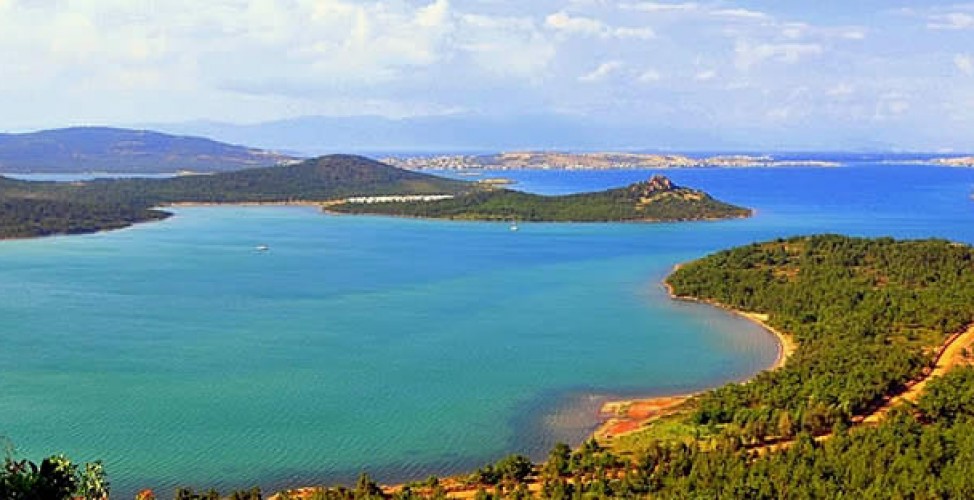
(44,208)
(657,199)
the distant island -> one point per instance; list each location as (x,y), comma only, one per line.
(115,150)
(952,161)
(350,184)
(590,161)
(655,200)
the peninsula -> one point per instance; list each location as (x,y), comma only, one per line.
(343,183)
(654,200)
(46,208)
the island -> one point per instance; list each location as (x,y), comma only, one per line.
(555,160)
(944,161)
(341,183)
(654,200)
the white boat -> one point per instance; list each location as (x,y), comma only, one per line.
(514,226)
(262,248)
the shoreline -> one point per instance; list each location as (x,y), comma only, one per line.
(297,203)
(623,417)
(324,205)
(620,417)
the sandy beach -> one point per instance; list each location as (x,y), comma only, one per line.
(249,204)
(630,415)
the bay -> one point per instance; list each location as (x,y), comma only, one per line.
(180,355)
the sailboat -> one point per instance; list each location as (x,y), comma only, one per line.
(514,225)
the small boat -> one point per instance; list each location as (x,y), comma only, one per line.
(262,248)
(514,226)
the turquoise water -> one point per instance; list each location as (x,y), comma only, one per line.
(181,356)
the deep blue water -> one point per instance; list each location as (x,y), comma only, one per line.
(179,355)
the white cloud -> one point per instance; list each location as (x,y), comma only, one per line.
(891,105)
(636,33)
(506,46)
(841,90)
(964,63)
(854,34)
(793,31)
(740,14)
(705,75)
(649,76)
(747,55)
(661,7)
(951,21)
(578,25)
(585,26)
(604,71)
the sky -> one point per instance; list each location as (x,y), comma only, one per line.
(792,73)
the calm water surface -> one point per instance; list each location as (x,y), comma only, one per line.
(179,355)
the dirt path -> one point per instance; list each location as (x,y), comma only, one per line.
(953,353)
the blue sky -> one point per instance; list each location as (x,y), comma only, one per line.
(769,73)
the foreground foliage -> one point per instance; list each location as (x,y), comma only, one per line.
(55,478)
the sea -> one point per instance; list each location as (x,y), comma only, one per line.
(180,355)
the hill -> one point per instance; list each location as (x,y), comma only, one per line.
(43,208)
(113,150)
(656,199)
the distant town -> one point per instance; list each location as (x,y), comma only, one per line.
(589,161)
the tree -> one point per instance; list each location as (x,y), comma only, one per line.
(514,468)
(559,461)
(94,483)
(366,488)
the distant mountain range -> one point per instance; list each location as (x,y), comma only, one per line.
(374,135)
(114,150)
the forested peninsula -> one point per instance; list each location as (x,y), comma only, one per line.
(29,209)
(654,200)
(44,208)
